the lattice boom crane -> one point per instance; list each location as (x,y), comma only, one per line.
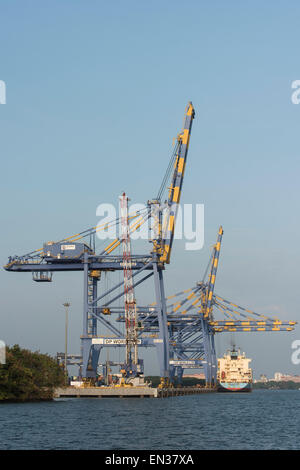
(129,298)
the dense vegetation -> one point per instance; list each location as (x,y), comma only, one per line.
(272,385)
(29,375)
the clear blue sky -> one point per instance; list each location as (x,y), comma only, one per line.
(96,91)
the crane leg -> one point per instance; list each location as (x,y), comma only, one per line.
(90,352)
(162,343)
(179,375)
(86,344)
(207,353)
(213,360)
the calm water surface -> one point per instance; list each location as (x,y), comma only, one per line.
(257,420)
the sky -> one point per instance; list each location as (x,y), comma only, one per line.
(95,95)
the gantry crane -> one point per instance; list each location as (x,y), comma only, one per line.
(183,331)
(78,253)
(193,323)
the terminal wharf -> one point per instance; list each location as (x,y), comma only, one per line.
(128,392)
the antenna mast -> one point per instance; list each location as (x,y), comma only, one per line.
(130,302)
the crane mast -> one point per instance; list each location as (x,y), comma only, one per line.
(129,299)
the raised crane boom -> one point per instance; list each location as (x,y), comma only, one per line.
(212,277)
(176,184)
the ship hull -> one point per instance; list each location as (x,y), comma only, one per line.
(234,387)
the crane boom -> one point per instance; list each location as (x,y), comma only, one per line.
(176,184)
(212,276)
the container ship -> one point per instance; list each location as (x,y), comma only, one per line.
(234,373)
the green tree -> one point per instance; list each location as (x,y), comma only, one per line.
(29,375)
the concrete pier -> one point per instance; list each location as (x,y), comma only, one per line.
(105,392)
(174,392)
(127,392)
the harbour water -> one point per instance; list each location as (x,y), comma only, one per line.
(263,419)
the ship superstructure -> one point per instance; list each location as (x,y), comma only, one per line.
(234,373)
